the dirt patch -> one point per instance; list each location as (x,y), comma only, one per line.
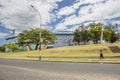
(78,51)
(114,49)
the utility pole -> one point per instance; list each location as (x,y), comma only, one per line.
(101,37)
(39,48)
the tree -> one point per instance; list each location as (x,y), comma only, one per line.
(107,35)
(2,48)
(85,36)
(33,36)
(77,36)
(114,36)
(81,34)
(95,32)
(13,47)
(110,35)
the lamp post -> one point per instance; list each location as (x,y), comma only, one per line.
(101,37)
(39,48)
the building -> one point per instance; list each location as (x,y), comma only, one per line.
(12,39)
(64,38)
(116,28)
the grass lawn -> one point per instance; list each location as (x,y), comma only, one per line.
(81,51)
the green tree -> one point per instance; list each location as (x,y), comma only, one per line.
(114,36)
(95,32)
(33,36)
(110,35)
(13,47)
(77,36)
(107,33)
(2,48)
(81,34)
(85,36)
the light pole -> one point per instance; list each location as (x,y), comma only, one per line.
(101,37)
(39,48)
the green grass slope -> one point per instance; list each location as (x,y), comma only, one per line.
(81,51)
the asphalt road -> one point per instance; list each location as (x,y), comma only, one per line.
(35,70)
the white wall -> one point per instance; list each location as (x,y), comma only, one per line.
(64,40)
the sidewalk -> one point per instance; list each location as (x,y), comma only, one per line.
(82,58)
(78,60)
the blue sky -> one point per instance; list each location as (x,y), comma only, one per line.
(55,14)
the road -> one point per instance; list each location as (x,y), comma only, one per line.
(35,70)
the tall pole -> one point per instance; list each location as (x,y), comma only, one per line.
(101,37)
(39,48)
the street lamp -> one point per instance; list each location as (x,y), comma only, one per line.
(39,48)
(101,37)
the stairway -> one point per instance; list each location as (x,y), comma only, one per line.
(114,49)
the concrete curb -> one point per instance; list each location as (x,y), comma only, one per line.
(58,61)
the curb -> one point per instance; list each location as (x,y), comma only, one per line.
(62,61)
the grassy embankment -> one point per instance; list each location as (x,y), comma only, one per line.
(82,53)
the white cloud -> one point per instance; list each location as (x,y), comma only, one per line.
(101,11)
(96,11)
(66,11)
(91,1)
(45,7)
(3,35)
(72,20)
(60,26)
(115,22)
(17,14)
(107,10)
(85,10)
(73,28)
(76,5)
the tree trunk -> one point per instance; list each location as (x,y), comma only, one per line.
(78,42)
(84,42)
(36,47)
(29,48)
(94,42)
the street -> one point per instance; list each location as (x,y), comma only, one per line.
(35,70)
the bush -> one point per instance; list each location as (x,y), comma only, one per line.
(2,48)
(13,47)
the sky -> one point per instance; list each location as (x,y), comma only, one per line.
(55,14)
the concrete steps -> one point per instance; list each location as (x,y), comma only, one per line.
(114,49)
